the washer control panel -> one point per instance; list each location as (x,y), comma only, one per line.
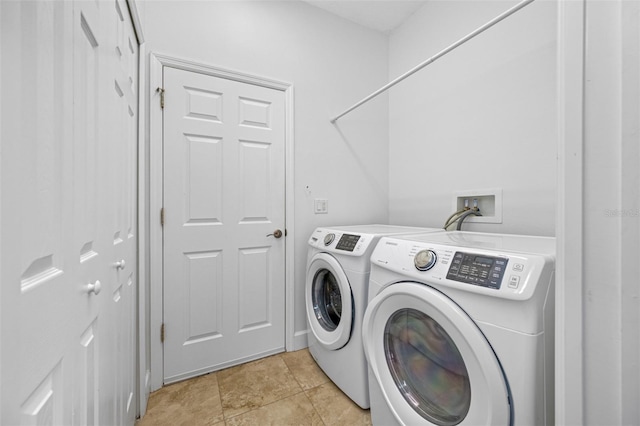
(477,269)
(347,242)
(342,242)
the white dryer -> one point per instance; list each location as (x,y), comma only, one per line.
(336,297)
(459,330)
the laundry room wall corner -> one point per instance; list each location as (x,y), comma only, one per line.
(1,138)
(483,116)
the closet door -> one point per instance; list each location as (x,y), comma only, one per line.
(119,158)
(67,176)
(41,284)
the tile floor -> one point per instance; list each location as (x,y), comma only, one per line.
(283,389)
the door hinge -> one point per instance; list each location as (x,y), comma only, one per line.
(162,333)
(162,216)
(161,91)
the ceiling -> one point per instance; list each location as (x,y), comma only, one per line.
(379,15)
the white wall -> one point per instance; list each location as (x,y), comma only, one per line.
(1,214)
(331,63)
(611,250)
(483,116)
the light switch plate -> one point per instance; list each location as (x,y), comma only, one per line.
(321,206)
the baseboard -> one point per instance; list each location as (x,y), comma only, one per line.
(299,341)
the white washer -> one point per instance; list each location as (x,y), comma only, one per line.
(336,297)
(460,330)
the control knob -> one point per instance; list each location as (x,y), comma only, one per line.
(425,259)
(328,239)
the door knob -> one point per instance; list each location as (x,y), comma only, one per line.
(277,233)
(120,264)
(94,288)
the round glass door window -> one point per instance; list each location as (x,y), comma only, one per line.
(427,367)
(327,299)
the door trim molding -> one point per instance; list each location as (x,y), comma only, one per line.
(569,216)
(144,388)
(157,63)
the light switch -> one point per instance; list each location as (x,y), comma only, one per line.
(321,206)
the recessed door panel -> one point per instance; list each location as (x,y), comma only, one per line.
(87,386)
(204,179)
(255,112)
(45,405)
(254,288)
(204,288)
(204,104)
(255,169)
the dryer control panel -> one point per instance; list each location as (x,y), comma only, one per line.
(456,261)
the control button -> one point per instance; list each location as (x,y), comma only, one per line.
(328,239)
(518,267)
(425,260)
(514,281)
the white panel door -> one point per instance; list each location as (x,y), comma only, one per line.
(68,208)
(118,220)
(88,250)
(37,358)
(224,200)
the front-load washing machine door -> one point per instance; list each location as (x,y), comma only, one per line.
(431,361)
(329,301)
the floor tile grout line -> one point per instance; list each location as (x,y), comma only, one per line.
(266,405)
(292,373)
(304,391)
(308,391)
(292,363)
(279,400)
(224,420)
(314,405)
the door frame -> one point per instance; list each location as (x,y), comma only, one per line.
(570,257)
(157,62)
(142,376)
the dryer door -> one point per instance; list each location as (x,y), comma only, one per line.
(432,363)
(329,301)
